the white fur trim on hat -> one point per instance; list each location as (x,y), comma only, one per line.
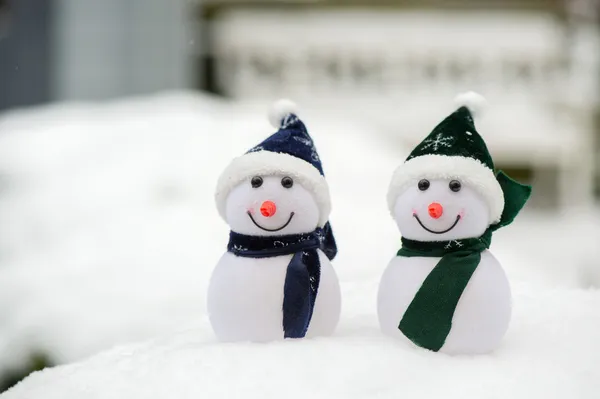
(268,163)
(467,170)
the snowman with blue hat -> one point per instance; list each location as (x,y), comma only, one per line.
(444,290)
(275,281)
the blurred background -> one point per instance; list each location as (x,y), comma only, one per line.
(116,117)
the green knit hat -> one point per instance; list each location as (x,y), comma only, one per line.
(453,150)
(455,136)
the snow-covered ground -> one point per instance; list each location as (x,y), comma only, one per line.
(109,233)
(551,352)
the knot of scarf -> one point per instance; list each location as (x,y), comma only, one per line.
(303,271)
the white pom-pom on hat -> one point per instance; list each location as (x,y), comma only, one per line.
(474,102)
(280,109)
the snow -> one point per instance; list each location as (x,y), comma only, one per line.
(109,234)
(551,352)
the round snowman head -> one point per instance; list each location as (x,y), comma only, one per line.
(441,210)
(271,205)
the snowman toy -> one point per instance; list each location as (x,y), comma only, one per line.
(275,281)
(444,291)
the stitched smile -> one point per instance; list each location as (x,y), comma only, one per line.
(280,228)
(437,232)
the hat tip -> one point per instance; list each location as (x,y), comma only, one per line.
(280,109)
(474,102)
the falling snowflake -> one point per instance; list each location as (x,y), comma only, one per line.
(468,133)
(438,141)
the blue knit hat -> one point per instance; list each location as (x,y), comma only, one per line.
(290,151)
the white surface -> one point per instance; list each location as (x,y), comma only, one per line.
(482,314)
(109,234)
(549,353)
(245,297)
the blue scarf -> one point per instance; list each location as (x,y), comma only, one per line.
(303,272)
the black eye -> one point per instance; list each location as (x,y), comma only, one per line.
(256,181)
(287,182)
(455,186)
(423,184)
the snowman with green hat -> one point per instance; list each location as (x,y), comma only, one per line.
(445,291)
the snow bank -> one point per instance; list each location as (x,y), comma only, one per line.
(552,351)
(109,234)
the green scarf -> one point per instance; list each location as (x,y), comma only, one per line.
(428,319)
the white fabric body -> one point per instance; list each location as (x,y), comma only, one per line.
(467,203)
(245,295)
(481,317)
(245,299)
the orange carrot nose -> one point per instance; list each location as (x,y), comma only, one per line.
(435,210)
(268,209)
